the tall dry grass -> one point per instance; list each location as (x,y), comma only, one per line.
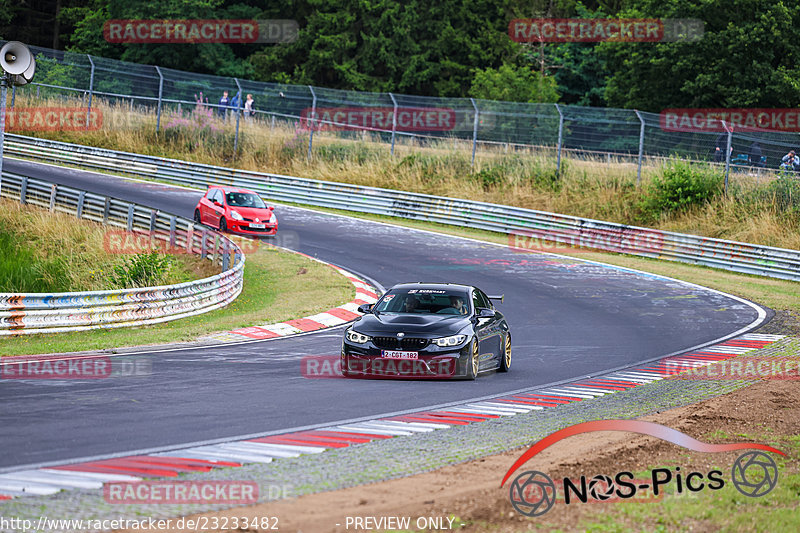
(592,187)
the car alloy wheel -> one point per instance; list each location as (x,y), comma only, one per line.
(505,362)
(197,218)
(223,226)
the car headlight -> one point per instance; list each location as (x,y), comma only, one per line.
(236,216)
(453,340)
(272,219)
(356,337)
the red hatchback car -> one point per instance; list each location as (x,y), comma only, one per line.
(236,210)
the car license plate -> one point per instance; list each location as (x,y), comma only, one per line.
(257,226)
(395,354)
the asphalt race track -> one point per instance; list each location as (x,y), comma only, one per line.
(568,319)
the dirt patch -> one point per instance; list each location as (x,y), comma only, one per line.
(471,491)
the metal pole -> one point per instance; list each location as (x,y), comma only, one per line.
(394,120)
(160,92)
(313,119)
(13,95)
(474,131)
(91,88)
(560,137)
(727,155)
(238,108)
(641,147)
(3,89)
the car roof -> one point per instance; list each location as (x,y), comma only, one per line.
(434,286)
(227,189)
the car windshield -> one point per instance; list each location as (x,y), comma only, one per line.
(424,301)
(244,199)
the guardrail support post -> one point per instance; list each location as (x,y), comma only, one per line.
(189,237)
(172,232)
(81,200)
(130,217)
(727,154)
(217,252)
(313,119)
(53,192)
(394,120)
(641,147)
(23,191)
(203,251)
(474,131)
(13,95)
(106,210)
(238,115)
(153,214)
(560,138)
(226,260)
(160,92)
(91,88)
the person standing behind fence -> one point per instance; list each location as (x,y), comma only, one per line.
(223,104)
(790,161)
(235,104)
(249,109)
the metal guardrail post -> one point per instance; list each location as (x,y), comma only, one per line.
(238,115)
(172,237)
(153,215)
(560,138)
(203,251)
(226,250)
(13,95)
(23,191)
(91,88)
(106,210)
(53,192)
(727,154)
(313,119)
(474,131)
(160,93)
(394,120)
(641,147)
(81,201)
(189,238)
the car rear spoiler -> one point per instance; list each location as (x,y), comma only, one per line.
(497,297)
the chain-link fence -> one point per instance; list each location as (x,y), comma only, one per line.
(583,132)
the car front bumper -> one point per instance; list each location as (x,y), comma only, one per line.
(431,363)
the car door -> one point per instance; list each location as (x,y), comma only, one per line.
(483,330)
(215,211)
(490,328)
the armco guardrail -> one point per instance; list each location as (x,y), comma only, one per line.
(518,223)
(76,311)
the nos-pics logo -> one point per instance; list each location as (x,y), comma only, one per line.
(533,493)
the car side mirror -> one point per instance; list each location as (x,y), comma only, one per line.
(217,202)
(486,313)
(365,308)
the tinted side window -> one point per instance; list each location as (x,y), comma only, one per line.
(484,300)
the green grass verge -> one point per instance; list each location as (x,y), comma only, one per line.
(721,510)
(278,286)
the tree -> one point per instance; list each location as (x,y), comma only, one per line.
(414,46)
(746,58)
(513,84)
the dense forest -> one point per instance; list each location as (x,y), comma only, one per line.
(748,56)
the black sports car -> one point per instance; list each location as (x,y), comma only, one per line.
(428,330)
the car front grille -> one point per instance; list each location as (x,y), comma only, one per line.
(406,343)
